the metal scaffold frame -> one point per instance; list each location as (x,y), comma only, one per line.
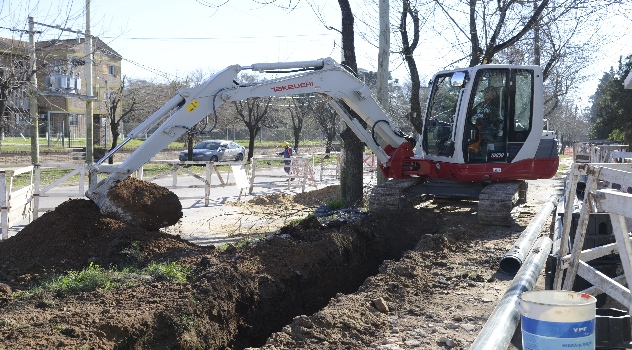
(597,198)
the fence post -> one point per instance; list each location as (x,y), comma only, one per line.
(36,190)
(4,209)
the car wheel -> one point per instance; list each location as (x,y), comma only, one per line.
(239,157)
(214,159)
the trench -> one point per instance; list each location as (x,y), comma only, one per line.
(317,263)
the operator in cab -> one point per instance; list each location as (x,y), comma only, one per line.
(487,119)
(488,112)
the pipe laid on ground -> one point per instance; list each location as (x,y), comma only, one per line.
(502,323)
(511,262)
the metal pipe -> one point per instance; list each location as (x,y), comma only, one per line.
(501,324)
(511,262)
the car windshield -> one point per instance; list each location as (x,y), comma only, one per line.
(207,145)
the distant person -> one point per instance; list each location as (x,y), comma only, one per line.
(288,152)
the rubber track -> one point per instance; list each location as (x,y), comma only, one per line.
(497,201)
(386,197)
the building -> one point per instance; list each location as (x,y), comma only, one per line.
(62,83)
(14,87)
(61,88)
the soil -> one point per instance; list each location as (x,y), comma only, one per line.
(423,278)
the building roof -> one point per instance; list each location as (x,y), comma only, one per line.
(14,46)
(78,45)
(21,47)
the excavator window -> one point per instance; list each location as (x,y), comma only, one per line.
(486,122)
(441,117)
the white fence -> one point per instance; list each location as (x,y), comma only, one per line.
(18,205)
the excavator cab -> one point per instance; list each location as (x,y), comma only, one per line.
(484,114)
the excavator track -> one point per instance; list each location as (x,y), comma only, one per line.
(497,202)
(391,195)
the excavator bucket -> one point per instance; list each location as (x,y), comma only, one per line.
(140,203)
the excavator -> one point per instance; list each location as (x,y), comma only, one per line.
(483,132)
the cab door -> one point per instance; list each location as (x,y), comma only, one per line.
(499,115)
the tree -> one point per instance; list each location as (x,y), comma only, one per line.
(327,119)
(253,113)
(611,105)
(299,111)
(408,48)
(116,114)
(15,76)
(351,178)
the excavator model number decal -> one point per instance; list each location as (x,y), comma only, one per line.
(193,105)
(292,86)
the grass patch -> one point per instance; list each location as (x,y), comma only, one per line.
(336,204)
(170,271)
(95,277)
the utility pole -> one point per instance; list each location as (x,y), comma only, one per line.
(536,38)
(89,92)
(33,96)
(382,65)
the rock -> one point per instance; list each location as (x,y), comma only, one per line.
(380,304)
(442,280)
(412,342)
(5,290)
(468,327)
(450,343)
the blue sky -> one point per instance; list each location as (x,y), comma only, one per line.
(177,37)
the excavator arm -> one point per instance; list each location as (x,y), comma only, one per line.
(192,105)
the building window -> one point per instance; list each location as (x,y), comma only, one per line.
(73,119)
(111,70)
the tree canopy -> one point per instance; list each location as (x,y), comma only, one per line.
(611,108)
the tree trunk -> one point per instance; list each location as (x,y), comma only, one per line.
(416,115)
(189,146)
(351,174)
(114,128)
(252,135)
(351,177)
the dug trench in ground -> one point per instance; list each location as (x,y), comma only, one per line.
(235,298)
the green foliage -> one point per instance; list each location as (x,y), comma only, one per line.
(612,105)
(95,277)
(91,278)
(168,271)
(336,204)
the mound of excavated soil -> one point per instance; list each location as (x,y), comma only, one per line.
(75,234)
(149,205)
(235,298)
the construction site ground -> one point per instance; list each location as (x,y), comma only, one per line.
(426,277)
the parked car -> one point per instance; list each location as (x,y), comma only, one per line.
(215,151)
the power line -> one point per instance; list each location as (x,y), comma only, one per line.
(225,38)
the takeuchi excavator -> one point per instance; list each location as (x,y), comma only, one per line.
(483,132)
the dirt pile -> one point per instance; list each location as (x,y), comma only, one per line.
(148,205)
(76,234)
(235,298)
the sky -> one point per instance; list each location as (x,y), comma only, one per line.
(163,39)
